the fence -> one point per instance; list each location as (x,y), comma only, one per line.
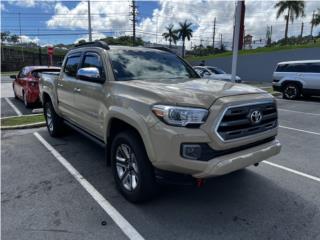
(13,59)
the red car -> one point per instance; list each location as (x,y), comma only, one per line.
(26,84)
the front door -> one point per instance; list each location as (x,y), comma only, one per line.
(90,98)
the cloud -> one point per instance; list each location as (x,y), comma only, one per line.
(23,3)
(27,39)
(112,18)
(2,7)
(95,36)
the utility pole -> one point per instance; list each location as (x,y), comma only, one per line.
(236,37)
(22,53)
(89,22)
(243,11)
(157,28)
(39,51)
(133,13)
(214,33)
(312,23)
(220,41)
(301,30)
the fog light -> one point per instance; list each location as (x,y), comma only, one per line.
(191,151)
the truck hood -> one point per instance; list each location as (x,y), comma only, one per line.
(194,92)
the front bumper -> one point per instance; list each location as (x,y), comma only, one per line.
(167,142)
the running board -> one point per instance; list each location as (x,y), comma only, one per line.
(86,134)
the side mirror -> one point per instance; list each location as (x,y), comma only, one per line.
(13,76)
(91,74)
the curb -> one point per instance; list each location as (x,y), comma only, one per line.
(26,115)
(24,126)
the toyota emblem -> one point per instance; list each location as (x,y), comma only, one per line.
(256,117)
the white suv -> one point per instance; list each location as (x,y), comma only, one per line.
(297,77)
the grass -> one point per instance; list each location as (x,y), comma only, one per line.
(9,73)
(255,51)
(15,121)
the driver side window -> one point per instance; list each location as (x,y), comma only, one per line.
(93,60)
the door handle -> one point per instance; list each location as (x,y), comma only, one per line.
(77,90)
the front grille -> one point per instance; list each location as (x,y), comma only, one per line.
(238,121)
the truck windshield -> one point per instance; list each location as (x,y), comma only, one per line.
(148,65)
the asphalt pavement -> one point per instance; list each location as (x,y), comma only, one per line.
(278,199)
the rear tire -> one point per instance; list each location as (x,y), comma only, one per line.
(54,122)
(291,91)
(14,92)
(131,168)
(25,100)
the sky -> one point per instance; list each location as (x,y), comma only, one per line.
(57,21)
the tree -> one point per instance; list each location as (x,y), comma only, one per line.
(171,35)
(14,38)
(5,36)
(81,41)
(316,20)
(295,9)
(185,32)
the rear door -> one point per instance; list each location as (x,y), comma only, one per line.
(66,85)
(89,97)
(311,76)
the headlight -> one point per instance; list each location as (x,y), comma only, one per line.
(180,116)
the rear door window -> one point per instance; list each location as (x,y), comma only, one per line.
(314,67)
(71,66)
(23,73)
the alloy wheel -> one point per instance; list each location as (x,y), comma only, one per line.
(127,167)
(290,92)
(49,119)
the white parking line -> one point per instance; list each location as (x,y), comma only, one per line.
(287,110)
(13,107)
(293,171)
(123,224)
(299,130)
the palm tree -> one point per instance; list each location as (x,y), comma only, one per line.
(316,20)
(185,31)
(294,10)
(171,35)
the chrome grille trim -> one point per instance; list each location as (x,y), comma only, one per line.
(234,123)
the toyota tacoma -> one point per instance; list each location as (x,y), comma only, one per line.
(156,117)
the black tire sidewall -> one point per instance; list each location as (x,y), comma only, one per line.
(146,184)
(56,120)
(298,92)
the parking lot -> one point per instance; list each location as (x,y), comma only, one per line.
(278,200)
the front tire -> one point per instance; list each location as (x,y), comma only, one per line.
(291,91)
(131,168)
(54,122)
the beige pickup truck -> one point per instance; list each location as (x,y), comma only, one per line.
(157,119)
